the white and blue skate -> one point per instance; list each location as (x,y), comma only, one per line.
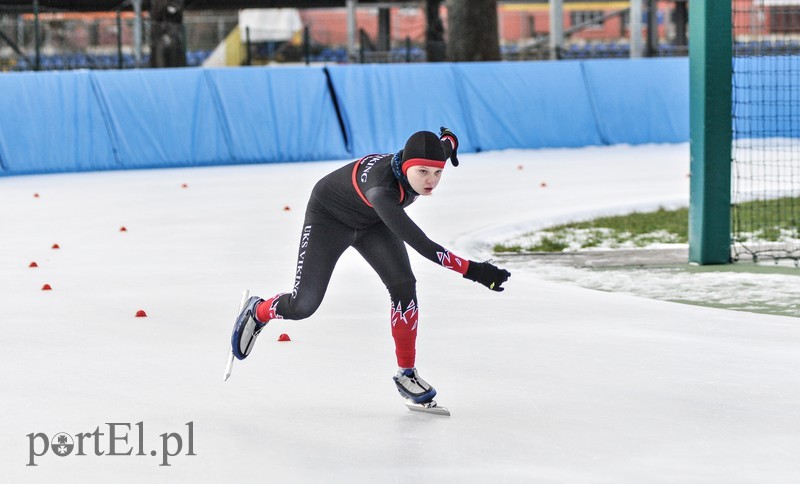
(245,331)
(417,392)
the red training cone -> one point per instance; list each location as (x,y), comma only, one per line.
(33,264)
(47,287)
(123,229)
(141,314)
(284,337)
(286,208)
(56,246)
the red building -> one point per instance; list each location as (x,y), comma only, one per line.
(519,22)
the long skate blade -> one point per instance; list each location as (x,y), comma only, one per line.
(229,366)
(431,407)
(229,363)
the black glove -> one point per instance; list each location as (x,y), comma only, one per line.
(446,134)
(487,274)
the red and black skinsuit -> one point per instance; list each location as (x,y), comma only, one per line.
(361,205)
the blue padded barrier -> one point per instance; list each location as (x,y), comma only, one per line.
(284,114)
(161,118)
(51,122)
(382,105)
(526,105)
(640,101)
(76,121)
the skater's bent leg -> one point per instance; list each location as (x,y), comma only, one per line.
(321,245)
(387,254)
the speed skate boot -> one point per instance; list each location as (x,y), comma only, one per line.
(246,329)
(412,387)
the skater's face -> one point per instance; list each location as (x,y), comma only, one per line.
(423,179)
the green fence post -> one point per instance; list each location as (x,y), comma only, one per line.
(710,65)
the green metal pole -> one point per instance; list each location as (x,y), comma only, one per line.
(710,65)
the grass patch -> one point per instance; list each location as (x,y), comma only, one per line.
(641,223)
(777,221)
(549,244)
(774,220)
(507,248)
(638,229)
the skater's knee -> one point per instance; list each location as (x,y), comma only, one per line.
(302,308)
(403,291)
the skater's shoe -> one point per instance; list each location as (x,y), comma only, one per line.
(246,329)
(412,387)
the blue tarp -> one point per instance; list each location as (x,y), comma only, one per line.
(51,122)
(382,105)
(526,105)
(640,101)
(162,117)
(74,121)
(282,114)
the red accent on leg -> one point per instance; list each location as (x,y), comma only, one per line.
(267,309)
(404,332)
(405,358)
(262,312)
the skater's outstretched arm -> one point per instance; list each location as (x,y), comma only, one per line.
(384,201)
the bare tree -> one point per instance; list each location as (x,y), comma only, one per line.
(472,30)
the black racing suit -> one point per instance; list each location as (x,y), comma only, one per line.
(362,205)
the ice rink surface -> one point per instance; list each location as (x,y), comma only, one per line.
(547,382)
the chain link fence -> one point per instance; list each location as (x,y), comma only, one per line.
(105,40)
(98,40)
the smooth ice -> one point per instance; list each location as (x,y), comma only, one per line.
(547,382)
